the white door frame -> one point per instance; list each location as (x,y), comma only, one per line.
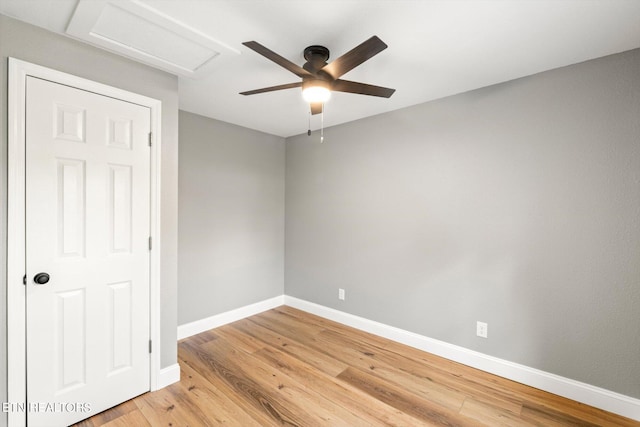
(16,295)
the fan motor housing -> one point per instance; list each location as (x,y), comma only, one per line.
(316,57)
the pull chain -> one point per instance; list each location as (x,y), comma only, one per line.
(322,125)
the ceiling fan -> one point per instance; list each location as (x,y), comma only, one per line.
(320,78)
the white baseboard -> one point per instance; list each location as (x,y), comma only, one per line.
(193,328)
(575,390)
(168,376)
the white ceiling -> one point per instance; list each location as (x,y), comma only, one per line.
(436,48)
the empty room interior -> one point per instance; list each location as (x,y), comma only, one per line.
(451,236)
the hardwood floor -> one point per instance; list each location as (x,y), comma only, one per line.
(288,367)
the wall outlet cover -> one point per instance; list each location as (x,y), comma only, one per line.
(481,329)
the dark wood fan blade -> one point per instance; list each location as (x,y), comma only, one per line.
(283,62)
(272,88)
(361,88)
(355,57)
(316,108)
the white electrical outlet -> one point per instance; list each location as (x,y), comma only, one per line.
(481,329)
(341,294)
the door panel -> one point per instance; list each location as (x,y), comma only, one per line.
(70,340)
(119,209)
(120,317)
(70,203)
(87,226)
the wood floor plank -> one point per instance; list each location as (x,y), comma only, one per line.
(193,401)
(371,359)
(484,392)
(449,369)
(357,352)
(331,325)
(284,328)
(134,418)
(373,412)
(217,406)
(404,401)
(314,409)
(319,343)
(502,392)
(203,337)
(319,360)
(542,416)
(491,415)
(293,323)
(548,416)
(170,407)
(109,415)
(246,394)
(240,340)
(288,367)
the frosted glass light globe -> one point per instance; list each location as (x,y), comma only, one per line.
(313,94)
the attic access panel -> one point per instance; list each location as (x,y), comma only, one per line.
(134,29)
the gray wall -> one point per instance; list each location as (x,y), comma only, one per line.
(231,226)
(517,205)
(41,47)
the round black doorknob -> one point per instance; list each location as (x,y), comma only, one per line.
(41,278)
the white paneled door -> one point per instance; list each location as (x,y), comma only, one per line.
(87,252)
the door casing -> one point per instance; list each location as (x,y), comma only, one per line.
(16,226)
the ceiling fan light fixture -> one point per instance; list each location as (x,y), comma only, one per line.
(319,78)
(314,91)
